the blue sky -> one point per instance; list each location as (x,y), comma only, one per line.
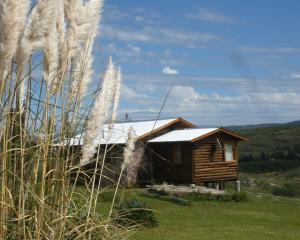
(237,62)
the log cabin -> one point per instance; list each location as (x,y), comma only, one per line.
(196,155)
(174,151)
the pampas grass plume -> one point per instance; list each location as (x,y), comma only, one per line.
(129,149)
(13,15)
(99,114)
(117,95)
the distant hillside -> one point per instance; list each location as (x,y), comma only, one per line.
(263,125)
(272,148)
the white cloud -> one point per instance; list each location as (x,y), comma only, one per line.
(134,48)
(139,18)
(183,37)
(169,71)
(210,16)
(186,94)
(112,48)
(270,50)
(172,61)
(167,52)
(115,32)
(158,35)
(214,105)
(112,12)
(124,53)
(295,75)
(129,93)
(139,10)
(141,110)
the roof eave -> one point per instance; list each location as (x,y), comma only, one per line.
(241,138)
(189,124)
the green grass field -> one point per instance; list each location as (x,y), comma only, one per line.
(259,218)
(262,217)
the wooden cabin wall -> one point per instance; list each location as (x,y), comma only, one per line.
(112,165)
(209,163)
(164,168)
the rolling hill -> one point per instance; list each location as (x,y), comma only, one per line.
(263,125)
(271,148)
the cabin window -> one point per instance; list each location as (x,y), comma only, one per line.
(228,152)
(177,155)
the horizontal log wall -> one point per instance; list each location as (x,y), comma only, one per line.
(164,168)
(209,163)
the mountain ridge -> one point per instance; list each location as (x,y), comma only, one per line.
(262,125)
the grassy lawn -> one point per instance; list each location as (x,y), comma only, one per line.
(259,218)
(262,217)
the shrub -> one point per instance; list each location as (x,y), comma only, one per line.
(227,198)
(239,197)
(108,196)
(76,222)
(288,190)
(134,212)
(201,197)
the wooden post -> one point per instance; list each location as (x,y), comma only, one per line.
(237,186)
(221,185)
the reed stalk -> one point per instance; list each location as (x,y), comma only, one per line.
(45,72)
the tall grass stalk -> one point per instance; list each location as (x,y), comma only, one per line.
(128,159)
(45,71)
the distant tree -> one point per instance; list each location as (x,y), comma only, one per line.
(263,156)
(280,155)
(291,155)
(297,148)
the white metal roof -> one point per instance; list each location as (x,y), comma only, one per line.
(119,133)
(184,135)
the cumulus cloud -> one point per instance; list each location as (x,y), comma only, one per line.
(186,93)
(216,106)
(169,71)
(129,93)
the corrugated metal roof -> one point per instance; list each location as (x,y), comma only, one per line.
(120,131)
(184,135)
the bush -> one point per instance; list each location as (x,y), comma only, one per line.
(76,221)
(134,212)
(227,198)
(288,190)
(201,197)
(108,196)
(239,197)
